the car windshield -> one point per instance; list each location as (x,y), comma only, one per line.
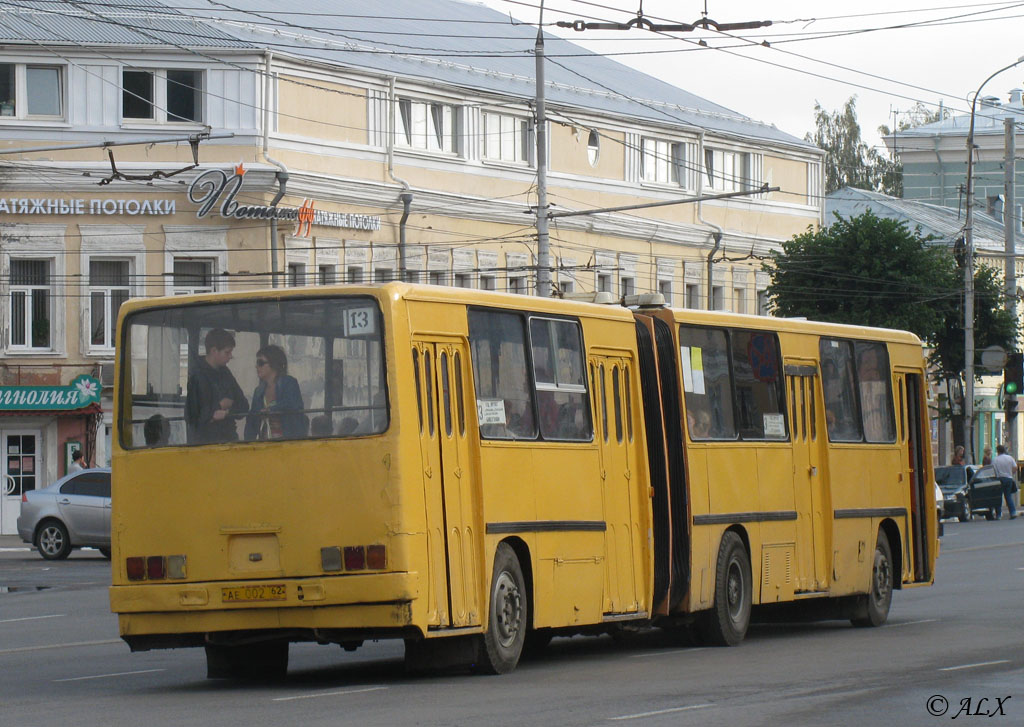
(953,476)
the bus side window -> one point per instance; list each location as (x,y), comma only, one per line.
(503,388)
(419,392)
(842,416)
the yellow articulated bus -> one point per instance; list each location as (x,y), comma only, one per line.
(473,471)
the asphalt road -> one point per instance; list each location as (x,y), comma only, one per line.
(944,649)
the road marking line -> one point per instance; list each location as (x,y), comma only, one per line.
(911,623)
(665,653)
(22,649)
(104,676)
(327,694)
(972,666)
(14,550)
(660,711)
(31,618)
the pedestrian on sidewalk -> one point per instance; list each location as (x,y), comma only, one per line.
(1006,470)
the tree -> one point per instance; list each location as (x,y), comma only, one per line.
(872,271)
(849,161)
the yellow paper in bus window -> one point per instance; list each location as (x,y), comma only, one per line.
(697,367)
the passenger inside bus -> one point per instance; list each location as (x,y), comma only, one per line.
(214,401)
(277,408)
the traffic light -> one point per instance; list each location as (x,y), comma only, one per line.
(1013,374)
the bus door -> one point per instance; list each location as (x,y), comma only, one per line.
(611,380)
(912,430)
(807,435)
(442,383)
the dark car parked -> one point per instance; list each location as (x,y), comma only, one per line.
(71,513)
(967,489)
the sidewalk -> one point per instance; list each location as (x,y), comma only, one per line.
(12,541)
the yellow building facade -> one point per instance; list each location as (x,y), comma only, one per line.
(135,163)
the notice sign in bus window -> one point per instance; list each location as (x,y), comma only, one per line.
(490,411)
(774,426)
(693,369)
(360,321)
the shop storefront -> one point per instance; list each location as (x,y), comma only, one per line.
(40,427)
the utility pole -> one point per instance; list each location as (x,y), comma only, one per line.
(1010,264)
(543,240)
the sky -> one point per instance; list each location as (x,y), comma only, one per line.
(818,52)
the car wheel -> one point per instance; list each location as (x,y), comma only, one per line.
(52,540)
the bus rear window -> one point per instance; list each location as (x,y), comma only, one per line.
(251,371)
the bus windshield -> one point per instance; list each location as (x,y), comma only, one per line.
(250,371)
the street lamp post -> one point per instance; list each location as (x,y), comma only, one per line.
(969,272)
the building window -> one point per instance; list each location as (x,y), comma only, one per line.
(724,170)
(428,126)
(296,275)
(355,274)
(665,288)
(192,276)
(604,283)
(463,280)
(693,296)
(383,275)
(717,298)
(109,287)
(437,277)
(627,286)
(661,161)
(162,95)
(487,282)
(31,304)
(31,91)
(739,300)
(327,274)
(593,147)
(517,284)
(566,286)
(506,138)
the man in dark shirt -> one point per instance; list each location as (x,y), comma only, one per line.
(214,399)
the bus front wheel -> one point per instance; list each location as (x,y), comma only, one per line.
(873,608)
(726,623)
(507,615)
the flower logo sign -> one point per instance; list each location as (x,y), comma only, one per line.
(83,391)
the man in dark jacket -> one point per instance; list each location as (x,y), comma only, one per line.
(214,399)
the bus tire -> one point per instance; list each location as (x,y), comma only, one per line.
(261,661)
(508,616)
(727,621)
(873,608)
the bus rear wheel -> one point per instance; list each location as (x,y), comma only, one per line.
(261,661)
(726,623)
(508,615)
(873,608)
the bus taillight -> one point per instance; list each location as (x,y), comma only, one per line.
(136,568)
(156,567)
(376,557)
(355,557)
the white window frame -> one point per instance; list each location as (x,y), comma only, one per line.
(28,290)
(20,110)
(692,296)
(507,138)
(417,121)
(109,314)
(159,102)
(34,242)
(662,161)
(725,170)
(191,242)
(109,242)
(354,274)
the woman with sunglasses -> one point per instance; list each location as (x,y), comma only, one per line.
(277,408)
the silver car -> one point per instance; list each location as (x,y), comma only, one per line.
(71,513)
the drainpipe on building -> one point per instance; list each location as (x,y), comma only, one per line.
(406,195)
(282,173)
(716,235)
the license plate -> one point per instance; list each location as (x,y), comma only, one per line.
(265,592)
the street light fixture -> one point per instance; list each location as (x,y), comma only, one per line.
(969,271)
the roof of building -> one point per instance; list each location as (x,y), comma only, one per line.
(454,42)
(944,223)
(989,112)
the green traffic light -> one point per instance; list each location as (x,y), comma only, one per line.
(1011,388)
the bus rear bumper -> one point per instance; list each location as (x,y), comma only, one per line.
(375,602)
